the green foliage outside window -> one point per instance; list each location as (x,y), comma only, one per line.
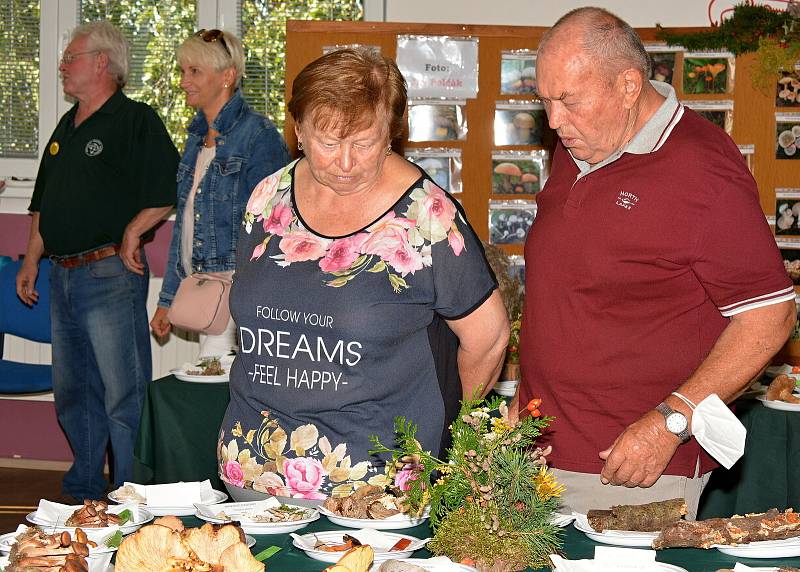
(155,30)
(263,28)
(19,69)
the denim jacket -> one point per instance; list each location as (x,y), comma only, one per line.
(249,148)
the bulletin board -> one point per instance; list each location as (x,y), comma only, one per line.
(753,122)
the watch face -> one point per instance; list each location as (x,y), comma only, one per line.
(676,422)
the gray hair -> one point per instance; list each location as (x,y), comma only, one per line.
(104,37)
(195,50)
(606,38)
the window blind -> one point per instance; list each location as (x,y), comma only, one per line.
(19,78)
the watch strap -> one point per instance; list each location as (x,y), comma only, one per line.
(666,411)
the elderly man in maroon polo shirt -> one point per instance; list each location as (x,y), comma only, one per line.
(650,270)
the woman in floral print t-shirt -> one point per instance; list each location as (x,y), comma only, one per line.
(348,260)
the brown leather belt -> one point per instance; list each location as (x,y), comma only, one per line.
(86,257)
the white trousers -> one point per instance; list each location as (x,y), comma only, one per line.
(220,344)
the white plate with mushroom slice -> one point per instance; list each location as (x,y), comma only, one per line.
(141,519)
(786,548)
(614,537)
(381,542)
(249,516)
(394,522)
(10,539)
(779,405)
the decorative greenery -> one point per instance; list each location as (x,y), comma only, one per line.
(512,293)
(774,36)
(492,499)
(739,34)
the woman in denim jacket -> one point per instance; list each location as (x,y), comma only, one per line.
(230,148)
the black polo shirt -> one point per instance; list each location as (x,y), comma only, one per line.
(95,178)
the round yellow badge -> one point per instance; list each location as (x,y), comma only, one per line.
(54,147)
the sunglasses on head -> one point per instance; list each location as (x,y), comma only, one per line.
(214,36)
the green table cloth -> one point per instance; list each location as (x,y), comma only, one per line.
(575,546)
(178,436)
(178,433)
(768,475)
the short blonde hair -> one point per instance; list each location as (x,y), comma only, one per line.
(104,37)
(195,50)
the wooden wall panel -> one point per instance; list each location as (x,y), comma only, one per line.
(753,115)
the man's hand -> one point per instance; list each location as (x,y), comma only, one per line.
(640,454)
(160,324)
(129,252)
(26,281)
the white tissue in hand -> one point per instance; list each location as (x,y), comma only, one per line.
(718,431)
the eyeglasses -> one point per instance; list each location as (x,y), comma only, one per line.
(68,58)
(214,36)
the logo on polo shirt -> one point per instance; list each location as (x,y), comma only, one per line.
(94,148)
(626,200)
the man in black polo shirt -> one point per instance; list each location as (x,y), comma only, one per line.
(106,178)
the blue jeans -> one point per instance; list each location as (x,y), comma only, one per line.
(101,368)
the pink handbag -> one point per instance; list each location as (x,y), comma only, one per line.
(201,303)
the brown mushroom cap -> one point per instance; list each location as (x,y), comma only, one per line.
(529,178)
(524,120)
(508,169)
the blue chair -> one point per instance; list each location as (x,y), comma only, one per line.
(33,324)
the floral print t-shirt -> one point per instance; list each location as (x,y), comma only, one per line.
(333,337)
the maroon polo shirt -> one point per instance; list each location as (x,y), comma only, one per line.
(632,272)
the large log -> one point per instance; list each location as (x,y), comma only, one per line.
(770,525)
(649,517)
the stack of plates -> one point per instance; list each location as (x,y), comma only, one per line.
(209,497)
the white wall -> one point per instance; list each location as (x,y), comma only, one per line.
(638,13)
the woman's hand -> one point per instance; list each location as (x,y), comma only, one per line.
(160,324)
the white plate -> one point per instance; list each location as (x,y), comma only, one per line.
(431,565)
(561,519)
(8,540)
(145,516)
(266,527)
(779,405)
(776,370)
(614,537)
(181,375)
(178,510)
(335,536)
(393,523)
(787,548)
(505,392)
(249,540)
